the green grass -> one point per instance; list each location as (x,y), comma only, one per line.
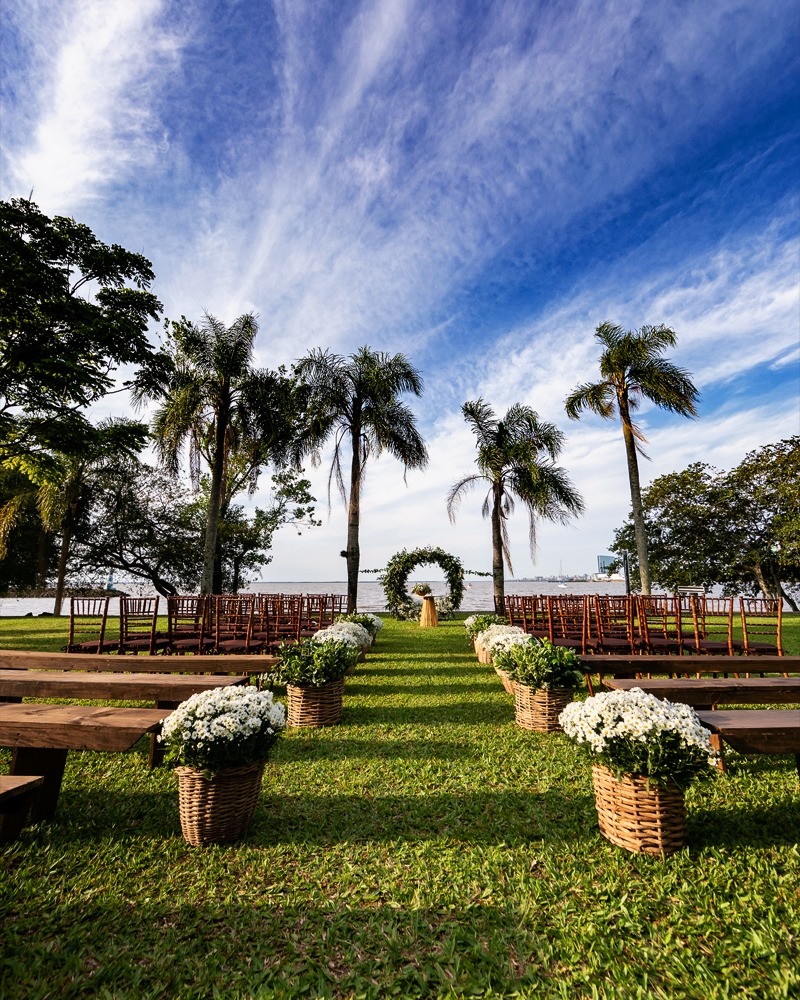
(425,847)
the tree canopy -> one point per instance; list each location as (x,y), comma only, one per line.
(739,529)
(72,310)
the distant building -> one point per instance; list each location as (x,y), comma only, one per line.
(604,564)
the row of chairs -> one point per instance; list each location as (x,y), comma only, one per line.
(240,623)
(664,625)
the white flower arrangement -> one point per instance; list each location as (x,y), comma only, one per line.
(352,629)
(224,727)
(632,732)
(377,622)
(485,640)
(503,643)
(332,634)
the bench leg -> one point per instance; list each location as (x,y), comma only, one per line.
(14,814)
(716,743)
(49,762)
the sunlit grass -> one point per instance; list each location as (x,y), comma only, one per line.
(425,847)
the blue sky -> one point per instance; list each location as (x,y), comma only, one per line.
(477,185)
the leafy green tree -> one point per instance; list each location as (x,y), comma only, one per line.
(61,484)
(26,549)
(516,457)
(356,401)
(738,529)
(632,369)
(72,310)
(231,415)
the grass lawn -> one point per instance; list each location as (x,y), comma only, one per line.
(425,847)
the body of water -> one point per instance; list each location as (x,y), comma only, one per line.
(477,594)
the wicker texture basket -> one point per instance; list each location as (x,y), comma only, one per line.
(484,656)
(641,818)
(218,809)
(539,708)
(508,684)
(314,706)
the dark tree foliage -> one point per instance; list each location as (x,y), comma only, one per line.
(29,548)
(72,310)
(738,529)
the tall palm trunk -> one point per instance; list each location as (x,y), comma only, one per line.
(636,496)
(215,500)
(353,519)
(498,575)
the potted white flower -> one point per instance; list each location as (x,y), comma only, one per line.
(486,639)
(313,673)
(473,624)
(372,623)
(220,740)
(645,753)
(545,677)
(353,630)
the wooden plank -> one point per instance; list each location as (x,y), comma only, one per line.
(752,730)
(76,727)
(692,664)
(715,690)
(122,687)
(14,786)
(14,659)
(17,794)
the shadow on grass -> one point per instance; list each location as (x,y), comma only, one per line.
(490,818)
(409,670)
(744,825)
(388,749)
(380,690)
(447,713)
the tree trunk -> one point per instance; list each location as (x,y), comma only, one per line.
(637,512)
(353,519)
(498,569)
(215,496)
(66,538)
(42,564)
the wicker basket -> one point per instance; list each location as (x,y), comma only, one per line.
(641,818)
(484,656)
(508,684)
(539,708)
(218,809)
(314,706)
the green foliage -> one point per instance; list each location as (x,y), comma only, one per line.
(540,664)
(421,589)
(59,345)
(739,529)
(367,621)
(312,664)
(394,578)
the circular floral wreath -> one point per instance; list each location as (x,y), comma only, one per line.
(394,578)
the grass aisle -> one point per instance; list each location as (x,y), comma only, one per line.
(426,847)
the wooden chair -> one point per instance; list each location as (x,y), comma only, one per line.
(660,627)
(233,624)
(137,626)
(568,622)
(188,625)
(712,621)
(761,626)
(88,617)
(515,610)
(614,621)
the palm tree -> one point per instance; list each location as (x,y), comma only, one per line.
(355,399)
(229,413)
(516,456)
(632,369)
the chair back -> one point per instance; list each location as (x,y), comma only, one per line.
(762,622)
(568,621)
(187,623)
(614,623)
(660,625)
(712,623)
(88,617)
(137,625)
(232,617)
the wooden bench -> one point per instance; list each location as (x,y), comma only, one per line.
(753,730)
(631,666)
(41,735)
(706,692)
(16,796)
(15,659)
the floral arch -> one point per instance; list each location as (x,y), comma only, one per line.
(394,578)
